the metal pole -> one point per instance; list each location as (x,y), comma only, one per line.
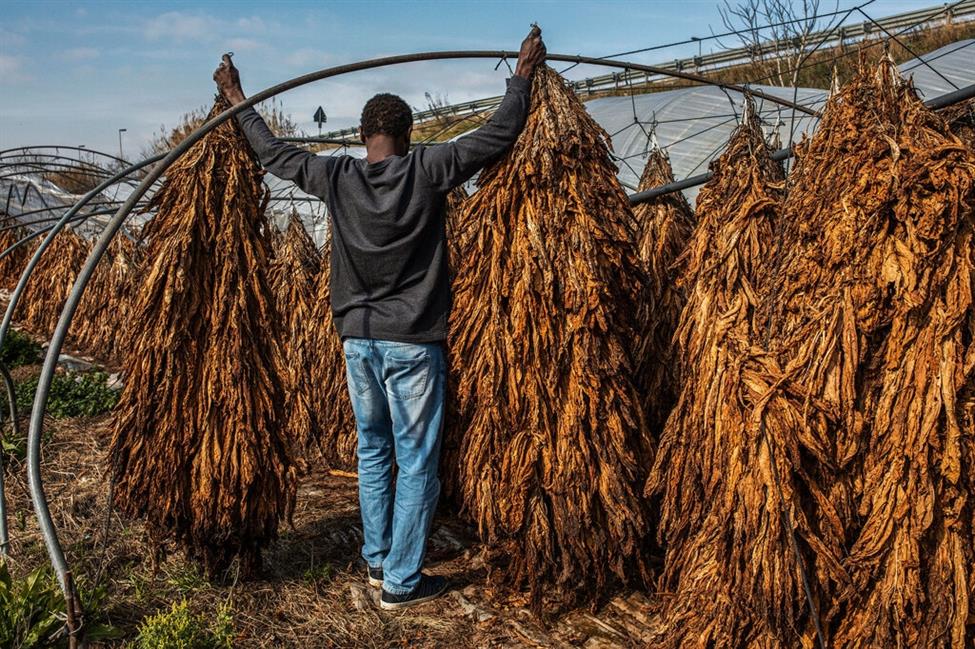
(15,433)
(120,155)
(18,291)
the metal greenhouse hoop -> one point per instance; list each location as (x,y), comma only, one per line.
(57,341)
(36,428)
(22,283)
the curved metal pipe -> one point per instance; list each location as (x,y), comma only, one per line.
(15,433)
(6,218)
(4,152)
(101,245)
(53,232)
(50,168)
(18,291)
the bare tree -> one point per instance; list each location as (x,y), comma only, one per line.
(439,106)
(777,33)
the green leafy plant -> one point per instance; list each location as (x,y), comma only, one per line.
(186,578)
(320,574)
(32,611)
(180,628)
(19,349)
(72,394)
(13,447)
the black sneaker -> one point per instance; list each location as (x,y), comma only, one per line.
(375,576)
(430,587)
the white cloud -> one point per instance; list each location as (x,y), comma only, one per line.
(12,69)
(308,57)
(179,26)
(244,45)
(11,39)
(81,54)
(182,26)
(252,24)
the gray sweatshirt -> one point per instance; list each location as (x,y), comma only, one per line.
(389,254)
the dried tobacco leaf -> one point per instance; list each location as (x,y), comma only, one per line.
(551,443)
(664,230)
(13,264)
(336,433)
(48,287)
(722,482)
(100,324)
(875,320)
(961,121)
(294,276)
(199,447)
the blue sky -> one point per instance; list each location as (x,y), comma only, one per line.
(76,72)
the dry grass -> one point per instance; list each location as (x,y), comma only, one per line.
(310,591)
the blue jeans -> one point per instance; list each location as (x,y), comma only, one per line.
(397,392)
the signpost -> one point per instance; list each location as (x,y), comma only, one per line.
(321,118)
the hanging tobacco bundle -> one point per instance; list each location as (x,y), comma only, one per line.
(549,429)
(664,227)
(336,421)
(876,321)
(49,285)
(100,324)
(730,571)
(13,264)
(293,276)
(199,447)
(457,229)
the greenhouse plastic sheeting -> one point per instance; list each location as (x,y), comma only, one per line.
(955,61)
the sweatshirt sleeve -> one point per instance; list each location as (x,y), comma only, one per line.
(452,164)
(307,170)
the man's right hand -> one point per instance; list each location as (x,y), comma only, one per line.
(228,81)
(532,53)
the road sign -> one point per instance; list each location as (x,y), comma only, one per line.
(321,118)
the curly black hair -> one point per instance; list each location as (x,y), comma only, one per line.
(387,114)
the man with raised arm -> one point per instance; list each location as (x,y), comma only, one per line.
(390,302)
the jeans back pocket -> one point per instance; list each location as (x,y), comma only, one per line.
(407,372)
(356,373)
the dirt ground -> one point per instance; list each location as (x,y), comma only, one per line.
(311,593)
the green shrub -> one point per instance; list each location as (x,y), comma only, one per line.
(32,610)
(72,394)
(179,628)
(14,447)
(19,349)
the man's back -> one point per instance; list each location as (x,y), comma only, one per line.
(389,255)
